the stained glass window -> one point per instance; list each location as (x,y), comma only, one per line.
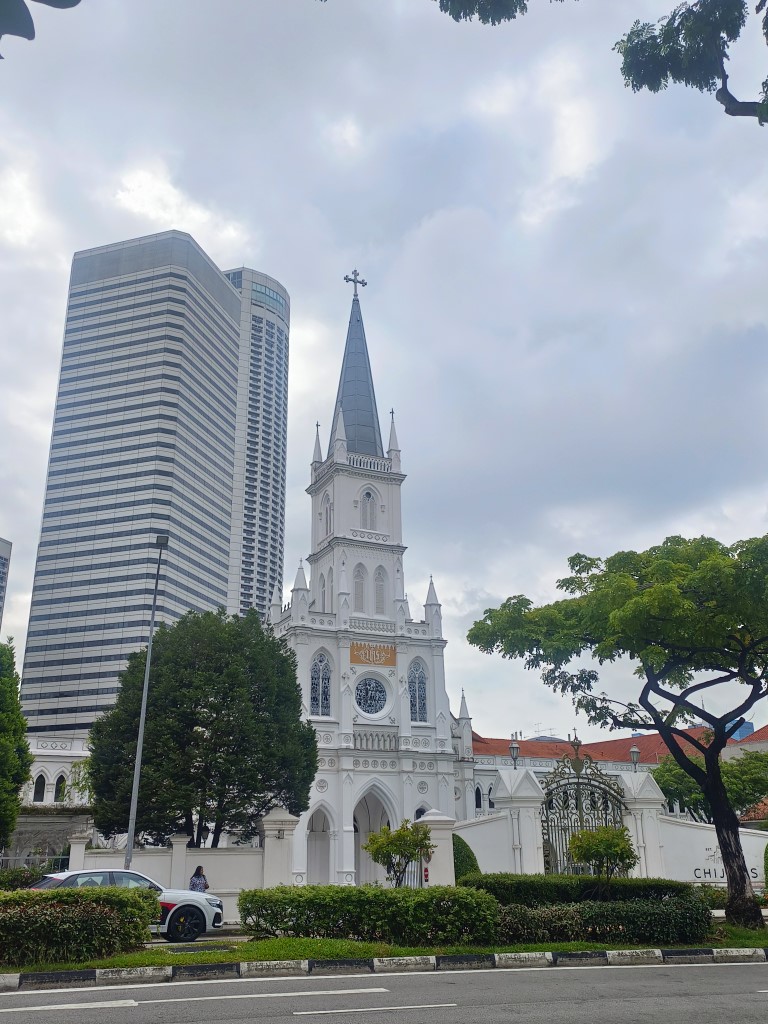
(370,696)
(320,689)
(417,686)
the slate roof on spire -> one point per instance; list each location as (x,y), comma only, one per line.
(356,395)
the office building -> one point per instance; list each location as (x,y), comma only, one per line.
(258,519)
(143,443)
(5,562)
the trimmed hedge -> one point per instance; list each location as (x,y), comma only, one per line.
(545,890)
(73,924)
(464,859)
(669,921)
(18,878)
(415,917)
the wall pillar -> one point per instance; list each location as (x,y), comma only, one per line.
(518,795)
(279,827)
(77,845)
(179,878)
(441,870)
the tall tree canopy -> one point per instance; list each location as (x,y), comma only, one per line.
(689,46)
(224,740)
(15,756)
(745,779)
(692,617)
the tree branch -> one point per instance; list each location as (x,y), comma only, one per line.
(734,107)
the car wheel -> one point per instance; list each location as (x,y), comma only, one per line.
(185,925)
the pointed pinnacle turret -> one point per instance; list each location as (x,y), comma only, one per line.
(431,593)
(356,395)
(317,455)
(301,579)
(463,710)
(394,445)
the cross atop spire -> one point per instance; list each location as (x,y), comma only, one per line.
(355,279)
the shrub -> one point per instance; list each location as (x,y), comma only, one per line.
(464,859)
(544,890)
(440,915)
(73,924)
(607,849)
(673,920)
(714,896)
(18,878)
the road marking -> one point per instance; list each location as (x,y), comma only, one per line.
(113,1004)
(268,995)
(372,1009)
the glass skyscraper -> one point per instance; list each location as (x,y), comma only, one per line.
(147,439)
(262,426)
(5,562)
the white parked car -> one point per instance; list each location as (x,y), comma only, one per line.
(186,915)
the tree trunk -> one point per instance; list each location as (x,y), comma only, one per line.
(741,908)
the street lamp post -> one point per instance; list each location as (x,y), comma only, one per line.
(634,753)
(514,751)
(161,543)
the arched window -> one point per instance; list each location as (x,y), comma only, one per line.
(358,583)
(491,804)
(379,592)
(327,515)
(320,686)
(39,795)
(61,786)
(368,511)
(330,591)
(419,813)
(322,593)
(417,687)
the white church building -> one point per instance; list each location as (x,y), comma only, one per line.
(372,675)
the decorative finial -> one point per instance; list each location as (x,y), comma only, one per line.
(355,279)
(392,413)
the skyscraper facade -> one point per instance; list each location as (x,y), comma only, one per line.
(5,562)
(258,518)
(143,443)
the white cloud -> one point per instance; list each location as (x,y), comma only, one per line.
(346,136)
(148,192)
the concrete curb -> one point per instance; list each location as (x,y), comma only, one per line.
(377,965)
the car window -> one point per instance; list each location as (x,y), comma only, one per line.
(87,879)
(130,880)
(49,882)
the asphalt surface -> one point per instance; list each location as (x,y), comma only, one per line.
(708,994)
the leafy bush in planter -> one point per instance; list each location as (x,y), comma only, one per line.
(18,878)
(660,922)
(439,915)
(73,924)
(714,896)
(545,890)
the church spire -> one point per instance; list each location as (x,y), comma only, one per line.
(317,455)
(356,396)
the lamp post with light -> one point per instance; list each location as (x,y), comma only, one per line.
(634,753)
(514,750)
(161,543)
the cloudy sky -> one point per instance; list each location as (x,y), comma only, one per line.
(566,306)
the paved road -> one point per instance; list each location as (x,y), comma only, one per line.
(708,994)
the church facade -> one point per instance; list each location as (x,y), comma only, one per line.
(372,676)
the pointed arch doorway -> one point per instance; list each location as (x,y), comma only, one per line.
(319,849)
(370,816)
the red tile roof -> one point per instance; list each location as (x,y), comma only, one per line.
(761,735)
(651,746)
(757,813)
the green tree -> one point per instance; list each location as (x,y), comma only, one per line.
(745,779)
(607,850)
(15,757)
(464,859)
(224,740)
(692,617)
(395,850)
(689,46)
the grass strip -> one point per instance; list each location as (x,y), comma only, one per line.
(723,936)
